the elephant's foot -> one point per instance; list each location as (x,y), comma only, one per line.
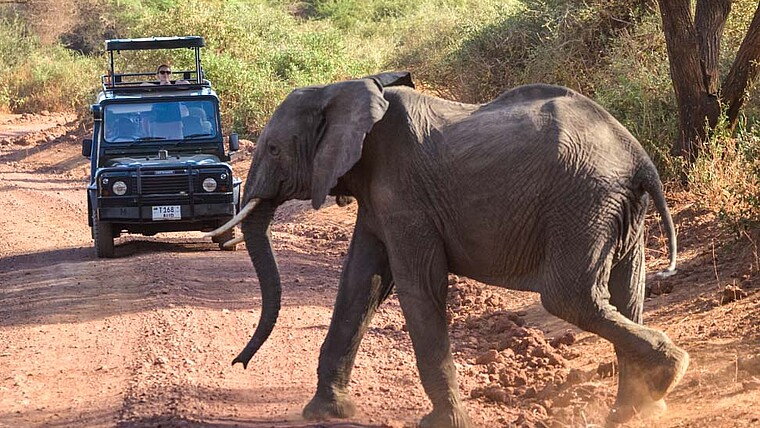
(663,374)
(623,413)
(451,418)
(335,406)
(643,385)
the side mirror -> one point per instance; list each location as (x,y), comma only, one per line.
(234,142)
(87,147)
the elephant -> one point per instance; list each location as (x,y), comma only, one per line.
(540,189)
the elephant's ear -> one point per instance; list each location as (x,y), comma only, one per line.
(350,110)
(393,78)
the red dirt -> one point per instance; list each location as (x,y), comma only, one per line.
(146,339)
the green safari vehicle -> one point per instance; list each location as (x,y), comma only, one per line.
(158,157)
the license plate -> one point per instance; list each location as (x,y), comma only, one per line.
(167,212)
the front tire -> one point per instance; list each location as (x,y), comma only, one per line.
(102,233)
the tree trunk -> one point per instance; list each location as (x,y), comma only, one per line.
(694,54)
(711,18)
(743,71)
(682,43)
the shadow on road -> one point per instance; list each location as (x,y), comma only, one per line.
(59,419)
(237,423)
(72,285)
(73,136)
(106,417)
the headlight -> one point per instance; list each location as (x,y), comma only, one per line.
(209,184)
(119,188)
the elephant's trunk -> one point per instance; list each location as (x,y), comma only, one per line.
(257,239)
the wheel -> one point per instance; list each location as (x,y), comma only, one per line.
(102,233)
(224,237)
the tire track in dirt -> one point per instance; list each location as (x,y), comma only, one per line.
(37,207)
(52,384)
(157,371)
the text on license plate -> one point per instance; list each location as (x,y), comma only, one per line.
(167,212)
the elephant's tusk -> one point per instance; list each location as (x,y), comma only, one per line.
(235,220)
(233,242)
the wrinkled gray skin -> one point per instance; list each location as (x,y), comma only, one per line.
(539,190)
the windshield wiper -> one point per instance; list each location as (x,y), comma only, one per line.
(205,134)
(151,138)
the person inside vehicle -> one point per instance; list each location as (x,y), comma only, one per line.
(166,121)
(164,73)
(195,123)
(122,130)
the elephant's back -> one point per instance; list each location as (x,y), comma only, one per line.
(548,126)
(527,93)
(538,163)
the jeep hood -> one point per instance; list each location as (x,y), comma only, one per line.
(154,160)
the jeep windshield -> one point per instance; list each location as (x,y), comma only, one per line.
(159,120)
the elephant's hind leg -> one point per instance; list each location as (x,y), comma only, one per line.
(652,364)
(366,281)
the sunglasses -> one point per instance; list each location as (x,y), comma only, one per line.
(165,72)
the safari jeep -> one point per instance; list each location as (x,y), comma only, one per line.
(157,154)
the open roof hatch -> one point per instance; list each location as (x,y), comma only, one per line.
(115,81)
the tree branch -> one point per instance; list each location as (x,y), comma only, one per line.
(743,71)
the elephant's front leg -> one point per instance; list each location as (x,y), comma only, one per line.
(364,284)
(420,275)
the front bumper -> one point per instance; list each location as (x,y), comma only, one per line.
(164,189)
(189,213)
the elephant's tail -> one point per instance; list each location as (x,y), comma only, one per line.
(650,182)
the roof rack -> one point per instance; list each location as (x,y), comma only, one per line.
(148,43)
(114,81)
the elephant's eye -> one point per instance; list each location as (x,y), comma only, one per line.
(273,150)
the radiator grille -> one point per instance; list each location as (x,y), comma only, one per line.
(164,184)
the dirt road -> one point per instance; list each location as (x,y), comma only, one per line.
(146,339)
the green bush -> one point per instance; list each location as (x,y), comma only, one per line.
(255,59)
(726,176)
(36,77)
(634,85)
(351,14)
(503,44)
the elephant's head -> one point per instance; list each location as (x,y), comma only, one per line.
(313,138)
